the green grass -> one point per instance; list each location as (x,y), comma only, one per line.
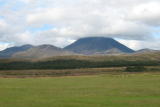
(123,90)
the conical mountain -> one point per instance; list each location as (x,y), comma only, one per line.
(92,45)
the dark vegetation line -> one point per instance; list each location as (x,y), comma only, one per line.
(72,64)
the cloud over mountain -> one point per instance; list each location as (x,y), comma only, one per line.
(60,22)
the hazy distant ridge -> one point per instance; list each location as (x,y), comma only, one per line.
(83,46)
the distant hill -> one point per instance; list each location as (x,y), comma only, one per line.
(7,53)
(146,50)
(93,45)
(41,51)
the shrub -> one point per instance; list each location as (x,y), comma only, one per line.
(135,69)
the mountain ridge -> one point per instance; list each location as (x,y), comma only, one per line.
(10,51)
(83,46)
(41,51)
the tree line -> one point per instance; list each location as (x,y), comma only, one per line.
(72,64)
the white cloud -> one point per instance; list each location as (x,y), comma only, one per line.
(137,44)
(4,46)
(147,13)
(131,20)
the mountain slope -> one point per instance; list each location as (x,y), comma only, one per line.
(92,45)
(7,53)
(146,51)
(41,51)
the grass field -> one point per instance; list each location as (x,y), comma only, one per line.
(105,90)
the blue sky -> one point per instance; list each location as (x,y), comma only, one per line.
(2,3)
(134,23)
(44,27)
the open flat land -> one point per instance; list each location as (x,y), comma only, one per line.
(104,90)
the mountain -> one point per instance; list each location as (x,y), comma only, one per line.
(7,53)
(42,51)
(146,50)
(93,45)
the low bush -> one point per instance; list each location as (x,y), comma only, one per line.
(135,69)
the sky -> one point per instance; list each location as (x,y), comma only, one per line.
(135,23)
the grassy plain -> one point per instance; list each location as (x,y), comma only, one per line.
(104,90)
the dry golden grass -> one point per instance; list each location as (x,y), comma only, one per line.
(67,72)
